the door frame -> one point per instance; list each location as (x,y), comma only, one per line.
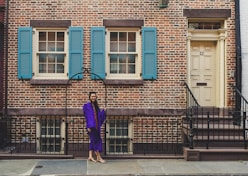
(219,36)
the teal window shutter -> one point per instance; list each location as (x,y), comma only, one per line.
(75,52)
(149,53)
(25,53)
(98,53)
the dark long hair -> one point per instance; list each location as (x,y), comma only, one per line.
(95,103)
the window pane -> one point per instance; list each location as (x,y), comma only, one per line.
(42,68)
(112,124)
(118,133)
(42,64)
(125,132)
(51,36)
(42,58)
(57,131)
(118,149)
(131,68)
(111,149)
(51,46)
(113,68)
(119,123)
(50,131)
(112,142)
(112,132)
(123,47)
(122,36)
(131,47)
(123,68)
(124,149)
(60,36)
(60,58)
(60,46)
(43,131)
(113,36)
(51,68)
(57,122)
(131,58)
(57,148)
(51,58)
(57,140)
(113,46)
(60,68)
(42,36)
(131,36)
(122,58)
(42,46)
(50,148)
(113,58)
(113,63)
(51,140)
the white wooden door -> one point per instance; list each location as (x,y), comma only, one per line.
(203,72)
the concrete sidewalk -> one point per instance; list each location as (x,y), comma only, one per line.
(128,167)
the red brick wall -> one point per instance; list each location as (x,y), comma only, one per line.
(1,66)
(165,92)
(2,2)
(1,55)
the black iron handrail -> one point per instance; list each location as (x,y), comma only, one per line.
(190,97)
(191,110)
(239,112)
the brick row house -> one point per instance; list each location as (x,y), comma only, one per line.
(2,16)
(136,54)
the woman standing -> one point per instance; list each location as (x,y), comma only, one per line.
(94,120)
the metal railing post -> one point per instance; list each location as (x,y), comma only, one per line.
(244,130)
(191,134)
(208,130)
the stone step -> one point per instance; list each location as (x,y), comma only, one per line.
(215,154)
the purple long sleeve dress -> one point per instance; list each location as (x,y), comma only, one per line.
(95,134)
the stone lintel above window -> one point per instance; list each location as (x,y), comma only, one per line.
(50,23)
(207,13)
(123,23)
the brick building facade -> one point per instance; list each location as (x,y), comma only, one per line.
(135,54)
(2,12)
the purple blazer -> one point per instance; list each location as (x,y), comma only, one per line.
(89,116)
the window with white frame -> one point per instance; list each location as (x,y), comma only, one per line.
(123,53)
(119,136)
(50,53)
(50,132)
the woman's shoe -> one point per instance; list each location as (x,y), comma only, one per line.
(92,159)
(101,161)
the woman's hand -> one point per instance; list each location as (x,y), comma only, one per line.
(89,130)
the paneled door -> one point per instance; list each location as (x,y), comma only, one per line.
(203,72)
